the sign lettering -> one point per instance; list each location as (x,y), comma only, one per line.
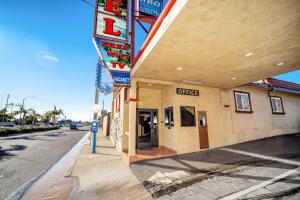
(182,91)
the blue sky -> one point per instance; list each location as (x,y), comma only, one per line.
(46,52)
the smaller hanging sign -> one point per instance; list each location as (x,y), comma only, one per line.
(120,78)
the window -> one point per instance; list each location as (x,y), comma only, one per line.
(242,102)
(276,104)
(187,115)
(169,119)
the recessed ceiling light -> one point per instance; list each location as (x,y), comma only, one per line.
(149,84)
(179,68)
(280,64)
(233,78)
(248,54)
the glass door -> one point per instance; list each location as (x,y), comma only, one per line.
(147,128)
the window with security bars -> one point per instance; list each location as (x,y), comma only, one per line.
(277,107)
(242,102)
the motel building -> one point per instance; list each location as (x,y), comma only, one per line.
(201,78)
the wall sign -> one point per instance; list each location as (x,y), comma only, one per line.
(120,78)
(182,91)
(150,7)
(111,19)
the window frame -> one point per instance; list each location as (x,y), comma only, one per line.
(193,107)
(169,110)
(235,101)
(272,108)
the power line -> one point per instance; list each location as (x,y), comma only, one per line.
(87,2)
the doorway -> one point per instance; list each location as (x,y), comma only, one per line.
(147,128)
(203,132)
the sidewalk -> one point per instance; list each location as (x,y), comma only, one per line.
(104,175)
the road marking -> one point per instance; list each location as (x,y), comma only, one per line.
(258,186)
(290,162)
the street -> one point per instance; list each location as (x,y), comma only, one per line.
(24,157)
(261,169)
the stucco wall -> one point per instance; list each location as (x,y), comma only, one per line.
(262,122)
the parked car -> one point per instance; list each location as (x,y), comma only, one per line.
(79,124)
(7,124)
(40,124)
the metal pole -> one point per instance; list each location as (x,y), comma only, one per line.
(96,102)
(132,30)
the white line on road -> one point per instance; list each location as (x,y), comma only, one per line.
(290,162)
(258,186)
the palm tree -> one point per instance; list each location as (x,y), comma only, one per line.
(3,114)
(21,111)
(56,112)
(33,116)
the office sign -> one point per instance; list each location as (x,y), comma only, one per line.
(111,20)
(189,92)
(120,78)
(150,7)
(116,55)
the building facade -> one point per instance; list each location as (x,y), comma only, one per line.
(188,117)
(190,78)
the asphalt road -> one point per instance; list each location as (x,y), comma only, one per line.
(256,170)
(25,156)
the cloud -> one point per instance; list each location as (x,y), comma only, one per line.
(46,59)
(52,58)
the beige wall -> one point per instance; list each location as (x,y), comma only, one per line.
(151,99)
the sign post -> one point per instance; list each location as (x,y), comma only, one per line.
(94,130)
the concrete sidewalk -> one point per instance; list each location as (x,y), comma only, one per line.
(105,175)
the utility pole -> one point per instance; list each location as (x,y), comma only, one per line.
(21,111)
(5,107)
